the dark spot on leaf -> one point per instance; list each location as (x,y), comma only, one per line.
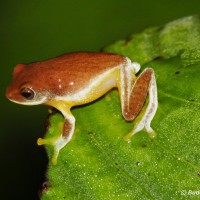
(149,174)
(51,114)
(143,145)
(198,174)
(90,133)
(46,125)
(116,163)
(191,100)
(137,163)
(157,58)
(159,29)
(44,187)
(127,40)
(177,72)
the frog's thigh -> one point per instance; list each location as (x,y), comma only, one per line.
(138,95)
(143,121)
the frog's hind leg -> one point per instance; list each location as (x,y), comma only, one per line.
(135,91)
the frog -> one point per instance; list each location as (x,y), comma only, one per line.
(78,78)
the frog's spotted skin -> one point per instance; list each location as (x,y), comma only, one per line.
(79,78)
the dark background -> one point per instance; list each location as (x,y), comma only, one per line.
(37,30)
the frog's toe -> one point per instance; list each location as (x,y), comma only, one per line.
(55,156)
(137,129)
(50,141)
(152,133)
(128,137)
(42,141)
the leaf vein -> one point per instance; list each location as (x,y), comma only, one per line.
(123,171)
(177,157)
(178,98)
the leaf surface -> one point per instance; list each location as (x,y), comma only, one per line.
(99,164)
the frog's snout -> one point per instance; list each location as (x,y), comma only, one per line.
(8,94)
(11,94)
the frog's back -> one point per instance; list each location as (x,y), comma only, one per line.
(83,62)
(77,68)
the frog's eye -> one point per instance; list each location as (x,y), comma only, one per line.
(27,93)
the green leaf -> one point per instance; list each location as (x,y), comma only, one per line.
(99,164)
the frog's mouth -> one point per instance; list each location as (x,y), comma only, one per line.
(25,101)
(29,102)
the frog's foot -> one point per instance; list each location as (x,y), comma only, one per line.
(57,142)
(143,121)
(140,126)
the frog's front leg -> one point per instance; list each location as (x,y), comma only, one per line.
(135,91)
(67,130)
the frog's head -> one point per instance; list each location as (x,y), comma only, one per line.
(25,88)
